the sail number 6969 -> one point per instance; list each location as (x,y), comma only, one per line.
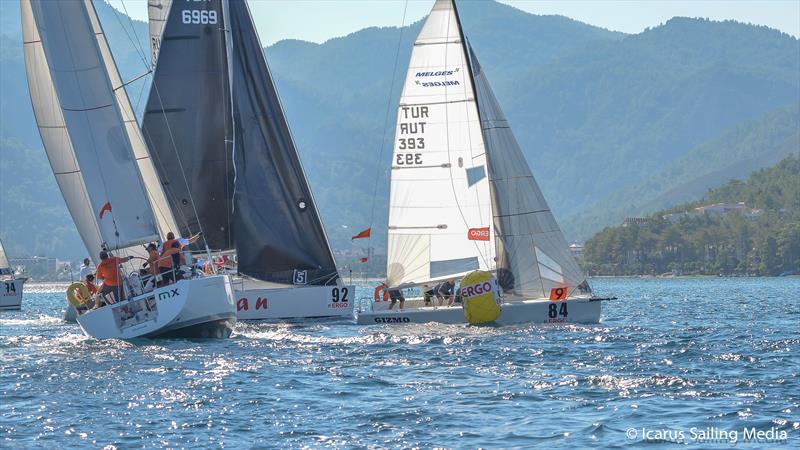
(198,16)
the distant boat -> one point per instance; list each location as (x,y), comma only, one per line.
(103,169)
(463,197)
(229,165)
(10,285)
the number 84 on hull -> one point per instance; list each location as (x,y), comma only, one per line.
(573,310)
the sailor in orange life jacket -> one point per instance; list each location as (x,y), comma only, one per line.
(394,295)
(184,242)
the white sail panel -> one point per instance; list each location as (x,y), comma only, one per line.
(532,255)
(152,184)
(3,258)
(157,14)
(55,137)
(89,139)
(440,210)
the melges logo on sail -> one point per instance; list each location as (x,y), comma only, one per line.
(438,73)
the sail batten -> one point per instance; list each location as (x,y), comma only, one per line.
(81,127)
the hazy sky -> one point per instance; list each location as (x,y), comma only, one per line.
(320,20)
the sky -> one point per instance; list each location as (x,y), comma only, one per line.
(320,20)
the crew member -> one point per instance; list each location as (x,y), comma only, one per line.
(170,262)
(108,271)
(396,295)
(446,292)
(86,268)
(427,294)
(152,259)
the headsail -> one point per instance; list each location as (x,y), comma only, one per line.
(82,127)
(157,12)
(440,211)
(187,124)
(3,258)
(277,226)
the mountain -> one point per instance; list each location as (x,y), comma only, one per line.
(598,113)
(742,227)
(735,153)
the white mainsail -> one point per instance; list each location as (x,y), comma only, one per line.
(157,13)
(82,127)
(440,209)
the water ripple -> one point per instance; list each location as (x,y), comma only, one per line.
(671,354)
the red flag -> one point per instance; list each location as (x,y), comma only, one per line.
(106,207)
(364,259)
(364,234)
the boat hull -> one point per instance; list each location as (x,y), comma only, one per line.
(196,308)
(528,311)
(11,294)
(290,302)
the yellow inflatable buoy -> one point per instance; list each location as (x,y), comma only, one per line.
(480,294)
(81,289)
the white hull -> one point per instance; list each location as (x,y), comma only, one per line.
(11,294)
(262,301)
(528,311)
(196,308)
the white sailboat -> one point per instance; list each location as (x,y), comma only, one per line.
(103,169)
(214,118)
(10,285)
(463,197)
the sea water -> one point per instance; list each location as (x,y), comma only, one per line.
(708,362)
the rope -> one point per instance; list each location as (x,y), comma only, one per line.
(383,140)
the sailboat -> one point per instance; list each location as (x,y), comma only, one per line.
(216,127)
(463,197)
(10,285)
(103,169)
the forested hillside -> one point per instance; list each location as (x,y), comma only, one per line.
(761,239)
(611,124)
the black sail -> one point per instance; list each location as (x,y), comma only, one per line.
(187,123)
(276,224)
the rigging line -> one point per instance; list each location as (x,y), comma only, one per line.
(447,135)
(135,79)
(180,164)
(136,43)
(383,136)
(93,13)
